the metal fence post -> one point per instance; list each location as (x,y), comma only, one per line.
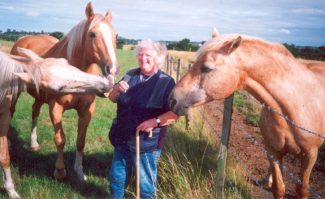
(222,155)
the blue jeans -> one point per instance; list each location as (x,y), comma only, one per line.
(122,164)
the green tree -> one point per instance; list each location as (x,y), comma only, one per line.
(184,44)
(57,35)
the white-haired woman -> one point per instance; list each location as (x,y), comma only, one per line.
(142,104)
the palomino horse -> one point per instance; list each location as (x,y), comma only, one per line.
(273,76)
(93,40)
(36,72)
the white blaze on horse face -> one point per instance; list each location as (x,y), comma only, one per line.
(107,35)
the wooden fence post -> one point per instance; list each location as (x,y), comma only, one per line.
(167,65)
(171,67)
(178,69)
(222,155)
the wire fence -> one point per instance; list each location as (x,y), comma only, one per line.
(175,69)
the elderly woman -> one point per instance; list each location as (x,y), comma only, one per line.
(142,104)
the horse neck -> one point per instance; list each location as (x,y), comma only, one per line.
(272,79)
(78,55)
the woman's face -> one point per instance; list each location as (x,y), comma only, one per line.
(146,60)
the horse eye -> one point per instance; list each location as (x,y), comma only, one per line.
(92,34)
(205,68)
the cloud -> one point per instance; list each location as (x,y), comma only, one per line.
(308,11)
(275,20)
(285,31)
(6,7)
(32,14)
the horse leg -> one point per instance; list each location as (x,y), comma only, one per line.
(13,106)
(278,187)
(5,118)
(268,181)
(307,163)
(56,112)
(35,113)
(83,122)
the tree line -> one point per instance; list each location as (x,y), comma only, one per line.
(305,52)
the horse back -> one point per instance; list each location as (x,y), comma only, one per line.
(318,68)
(40,44)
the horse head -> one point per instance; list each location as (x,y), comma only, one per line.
(214,75)
(100,41)
(57,76)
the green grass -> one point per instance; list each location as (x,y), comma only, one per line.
(6,43)
(246,106)
(187,167)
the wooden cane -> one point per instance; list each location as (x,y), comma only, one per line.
(137,153)
(137,161)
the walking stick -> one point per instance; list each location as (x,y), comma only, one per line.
(137,161)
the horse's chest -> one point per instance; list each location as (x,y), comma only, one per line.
(75,101)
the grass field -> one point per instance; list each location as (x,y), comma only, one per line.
(186,169)
(6,45)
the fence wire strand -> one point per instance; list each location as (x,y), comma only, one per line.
(284,168)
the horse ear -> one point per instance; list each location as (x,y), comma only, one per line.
(89,11)
(215,33)
(29,54)
(20,58)
(109,15)
(25,77)
(231,46)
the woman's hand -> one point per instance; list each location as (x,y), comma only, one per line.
(122,86)
(147,125)
(118,88)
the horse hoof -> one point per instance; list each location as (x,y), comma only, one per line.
(60,174)
(35,148)
(81,176)
(13,195)
(12,192)
(267,182)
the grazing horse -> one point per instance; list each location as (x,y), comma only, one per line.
(32,71)
(273,76)
(90,42)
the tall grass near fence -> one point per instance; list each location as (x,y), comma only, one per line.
(186,169)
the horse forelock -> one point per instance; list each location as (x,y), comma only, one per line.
(96,20)
(210,45)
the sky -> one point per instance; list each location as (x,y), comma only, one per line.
(298,22)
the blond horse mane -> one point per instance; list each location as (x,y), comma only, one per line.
(75,36)
(9,83)
(215,43)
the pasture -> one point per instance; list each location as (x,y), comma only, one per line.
(186,169)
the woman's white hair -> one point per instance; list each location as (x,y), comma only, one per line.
(159,48)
